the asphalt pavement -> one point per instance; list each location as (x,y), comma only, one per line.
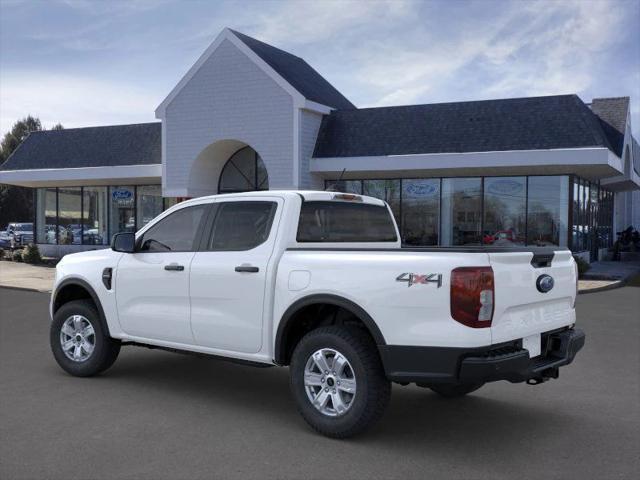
(161,415)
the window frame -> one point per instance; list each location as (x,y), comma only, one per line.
(207,236)
(197,240)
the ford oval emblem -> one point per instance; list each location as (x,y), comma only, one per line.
(544,283)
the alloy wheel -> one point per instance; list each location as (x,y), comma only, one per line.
(77,338)
(330,382)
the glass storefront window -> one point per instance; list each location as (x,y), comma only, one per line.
(69,216)
(592,214)
(170,202)
(346,186)
(46,215)
(387,190)
(122,216)
(575,230)
(94,216)
(149,204)
(420,211)
(461,211)
(504,211)
(548,209)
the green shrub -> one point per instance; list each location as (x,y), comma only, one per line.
(1,253)
(583,266)
(16,256)
(31,254)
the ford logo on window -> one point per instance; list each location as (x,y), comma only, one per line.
(121,194)
(505,187)
(422,189)
(544,283)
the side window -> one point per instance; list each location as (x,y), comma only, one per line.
(241,225)
(175,233)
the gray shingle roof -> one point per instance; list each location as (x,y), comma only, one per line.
(613,116)
(534,123)
(298,73)
(108,146)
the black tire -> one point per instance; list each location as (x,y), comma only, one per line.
(373,389)
(455,390)
(105,349)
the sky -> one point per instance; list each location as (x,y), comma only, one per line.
(86,63)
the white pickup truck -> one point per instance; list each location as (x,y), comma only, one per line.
(318,281)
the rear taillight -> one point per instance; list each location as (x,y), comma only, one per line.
(472,296)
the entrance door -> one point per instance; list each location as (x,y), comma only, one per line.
(228,278)
(152,284)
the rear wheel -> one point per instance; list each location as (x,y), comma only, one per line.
(79,342)
(455,390)
(338,381)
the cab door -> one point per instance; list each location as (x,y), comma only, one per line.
(229,274)
(152,284)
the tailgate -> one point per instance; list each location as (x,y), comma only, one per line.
(521,309)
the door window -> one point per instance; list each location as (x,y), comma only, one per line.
(241,225)
(176,233)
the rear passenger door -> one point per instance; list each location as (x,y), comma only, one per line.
(228,276)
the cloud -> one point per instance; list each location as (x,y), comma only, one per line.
(533,48)
(72,100)
(296,22)
(376,52)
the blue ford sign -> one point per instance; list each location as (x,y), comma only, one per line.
(544,283)
(121,194)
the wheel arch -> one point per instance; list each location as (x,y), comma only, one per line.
(77,289)
(290,318)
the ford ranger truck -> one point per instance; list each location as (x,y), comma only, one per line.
(318,282)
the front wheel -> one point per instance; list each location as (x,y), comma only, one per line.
(79,342)
(338,381)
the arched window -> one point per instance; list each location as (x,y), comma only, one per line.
(243,172)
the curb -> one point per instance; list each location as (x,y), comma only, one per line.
(24,289)
(604,288)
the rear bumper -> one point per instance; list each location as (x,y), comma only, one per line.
(507,361)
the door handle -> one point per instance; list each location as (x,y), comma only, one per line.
(174,267)
(247,268)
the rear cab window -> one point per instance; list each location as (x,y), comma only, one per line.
(340,222)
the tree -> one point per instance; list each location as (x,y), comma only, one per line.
(16,203)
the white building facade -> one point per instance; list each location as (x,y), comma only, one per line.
(248,116)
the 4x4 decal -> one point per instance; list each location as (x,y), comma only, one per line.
(418,278)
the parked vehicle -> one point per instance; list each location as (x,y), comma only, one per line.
(17,235)
(318,281)
(503,238)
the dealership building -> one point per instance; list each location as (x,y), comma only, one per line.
(247,116)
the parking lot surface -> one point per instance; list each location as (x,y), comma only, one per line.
(161,415)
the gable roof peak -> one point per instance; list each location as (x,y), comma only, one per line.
(297,73)
(292,73)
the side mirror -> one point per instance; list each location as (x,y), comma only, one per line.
(124,242)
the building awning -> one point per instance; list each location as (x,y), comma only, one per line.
(125,154)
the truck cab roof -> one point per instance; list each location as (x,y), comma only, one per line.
(306,195)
